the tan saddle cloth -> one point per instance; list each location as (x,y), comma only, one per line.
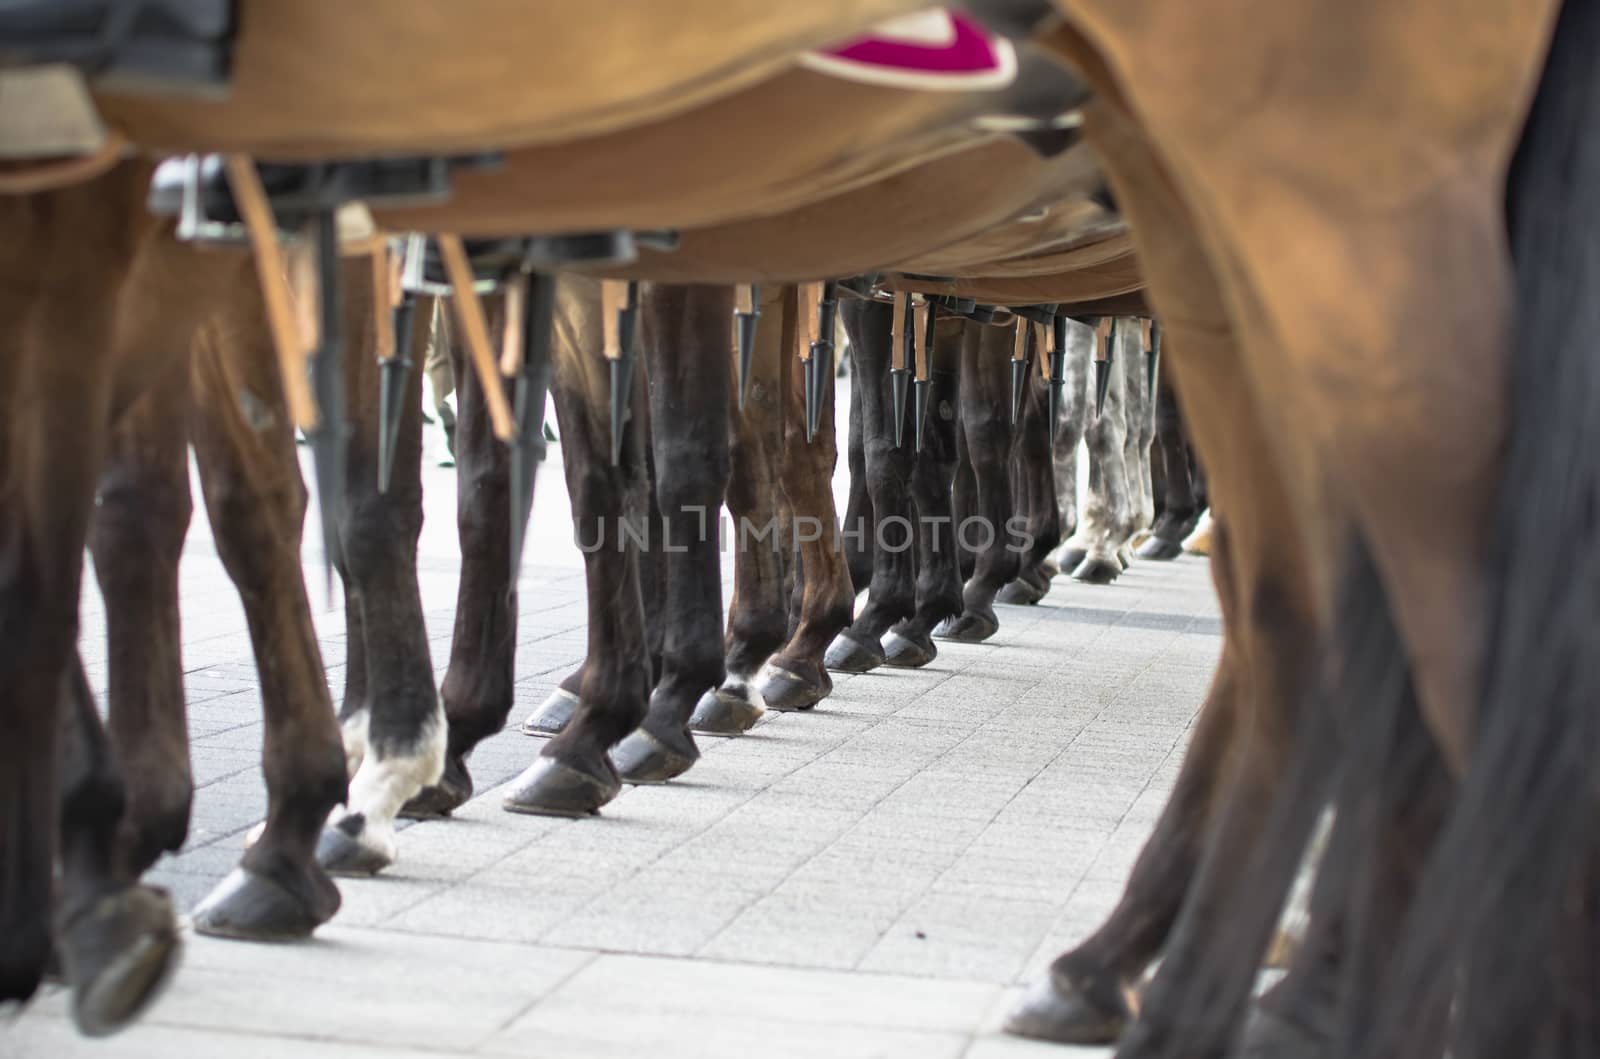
(357,78)
(911,213)
(798,137)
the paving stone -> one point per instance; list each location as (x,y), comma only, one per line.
(52,1036)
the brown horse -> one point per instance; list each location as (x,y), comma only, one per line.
(792,585)
(91,272)
(1207,214)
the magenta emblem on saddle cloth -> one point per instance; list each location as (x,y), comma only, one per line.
(934,50)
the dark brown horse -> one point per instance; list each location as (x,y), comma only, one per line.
(90,271)
(792,587)
(909,644)
(985,529)
(1336,483)
(889,456)
(1180,485)
(1033,480)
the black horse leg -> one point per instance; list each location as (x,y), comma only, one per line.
(757,614)
(986,421)
(1180,507)
(400,749)
(910,644)
(892,594)
(860,520)
(1034,485)
(686,330)
(478,682)
(573,776)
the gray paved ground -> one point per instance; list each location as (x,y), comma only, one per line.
(877,878)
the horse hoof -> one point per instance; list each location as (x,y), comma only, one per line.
(553,788)
(1125,557)
(453,790)
(724,712)
(644,759)
(848,655)
(1138,539)
(346,849)
(1071,558)
(970,627)
(1160,549)
(1046,1013)
(551,718)
(250,906)
(787,692)
(1049,568)
(908,652)
(1268,1035)
(1098,571)
(1018,593)
(118,955)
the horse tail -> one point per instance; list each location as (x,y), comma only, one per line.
(1506,915)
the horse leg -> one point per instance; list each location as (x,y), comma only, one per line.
(860,518)
(1140,408)
(119,941)
(653,559)
(1392,801)
(1076,409)
(986,420)
(796,678)
(1181,509)
(1091,995)
(685,331)
(256,503)
(1109,511)
(757,613)
(478,683)
(892,594)
(1277,787)
(136,538)
(402,742)
(1034,484)
(963,497)
(910,644)
(572,775)
(62,266)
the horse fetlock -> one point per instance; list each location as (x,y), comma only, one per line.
(360,839)
(153,826)
(353,731)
